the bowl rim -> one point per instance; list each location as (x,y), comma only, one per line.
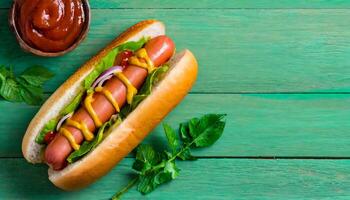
(27,48)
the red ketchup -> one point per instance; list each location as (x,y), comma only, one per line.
(50,25)
(123,58)
(49,137)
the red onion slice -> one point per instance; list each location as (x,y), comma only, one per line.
(103,80)
(59,124)
(108,73)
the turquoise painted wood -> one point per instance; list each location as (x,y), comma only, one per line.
(261,51)
(264,125)
(278,68)
(202,179)
(218,4)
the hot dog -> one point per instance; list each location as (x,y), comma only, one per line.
(159,49)
(101,103)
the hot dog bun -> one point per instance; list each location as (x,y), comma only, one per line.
(164,97)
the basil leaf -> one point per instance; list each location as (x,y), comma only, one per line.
(185,133)
(31,94)
(155,168)
(150,181)
(147,154)
(49,126)
(186,155)
(146,184)
(10,90)
(73,105)
(6,73)
(86,147)
(36,75)
(171,169)
(108,60)
(173,141)
(169,172)
(25,88)
(206,130)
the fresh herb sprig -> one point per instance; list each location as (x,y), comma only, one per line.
(27,87)
(154,168)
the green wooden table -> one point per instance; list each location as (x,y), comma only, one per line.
(280,69)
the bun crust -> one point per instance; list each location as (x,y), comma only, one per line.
(123,139)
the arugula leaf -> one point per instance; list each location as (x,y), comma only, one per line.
(155,168)
(49,126)
(108,60)
(28,87)
(152,79)
(173,141)
(86,147)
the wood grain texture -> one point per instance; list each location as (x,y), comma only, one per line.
(202,179)
(218,4)
(245,48)
(257,125)
(255,51)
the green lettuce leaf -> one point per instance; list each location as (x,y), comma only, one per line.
(49,126)
(108,60)
(146,90)
(86,147)
(73,105)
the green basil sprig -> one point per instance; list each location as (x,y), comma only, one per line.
(27,87)
(154,168)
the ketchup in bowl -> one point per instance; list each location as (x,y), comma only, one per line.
(50,25)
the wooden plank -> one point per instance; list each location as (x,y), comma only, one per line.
(202,179)
(218,4)
(238,50)
(257,125)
